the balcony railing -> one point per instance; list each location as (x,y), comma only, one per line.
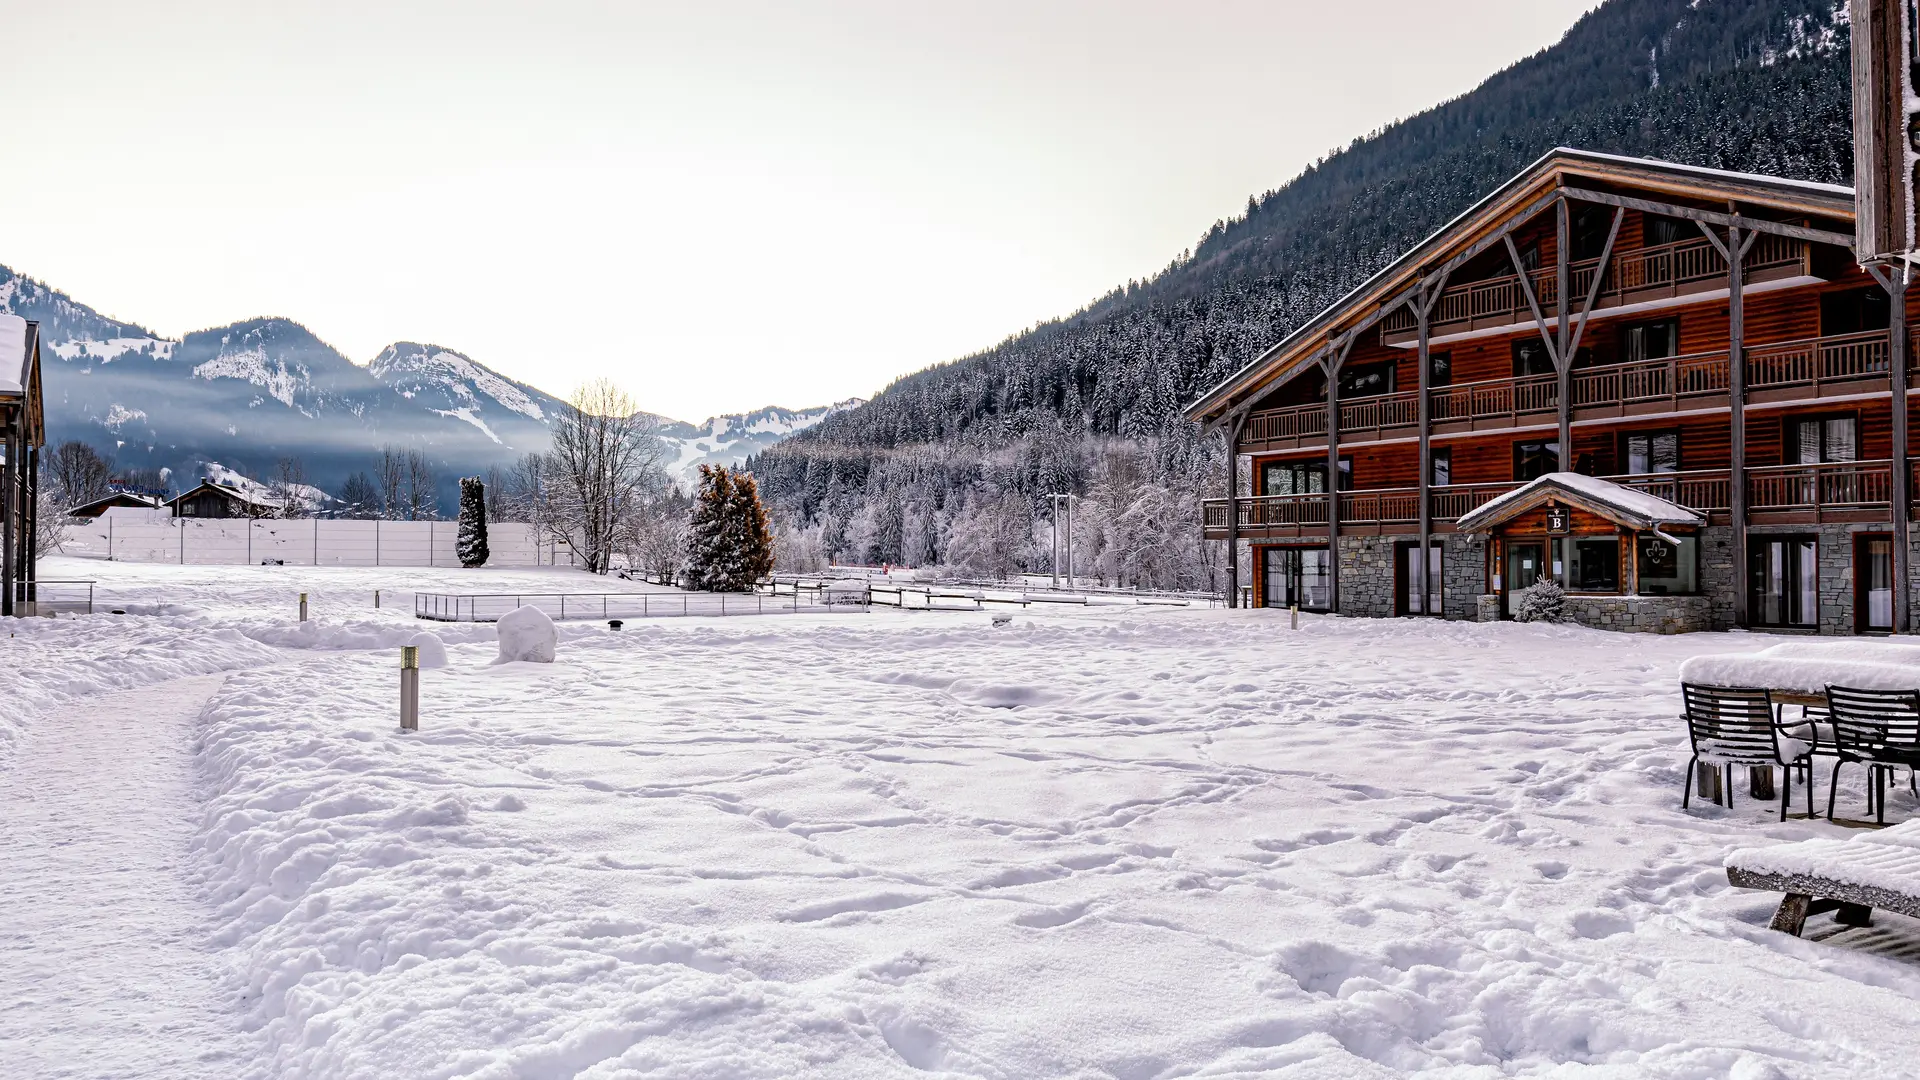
(1697,489)
(1358,509)
(1664,268)
(1816,361)
(1675,381)
(1847,485)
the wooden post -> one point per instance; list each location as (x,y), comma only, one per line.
(1336,359)
(1734,251)
(1707,781)
(1760,781)
(1563,306)
(1898,347)
(1423,312)
(1233,511)
(9,515)
(409,688)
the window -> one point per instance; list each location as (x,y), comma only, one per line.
(1530,357)
(1532,460)
(1302,477)
(1439,369)
(1853,311)
(1783,581)
(1296,576)
(1666,230)
(1366,380)
(1650,341)
(1667,569)
(1530,257)
(1441,467)
(1591,224)
(1873,583)
(1814,440)
(1651,452)
(1589,563)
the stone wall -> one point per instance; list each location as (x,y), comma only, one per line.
(1719,579)
(1464,566)
(1643,614)
(1366,575)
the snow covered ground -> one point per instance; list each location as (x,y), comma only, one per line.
(1106,843)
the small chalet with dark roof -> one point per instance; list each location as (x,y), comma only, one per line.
(117,500)
(211,500)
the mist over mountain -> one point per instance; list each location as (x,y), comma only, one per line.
(1091,403)
(248,394)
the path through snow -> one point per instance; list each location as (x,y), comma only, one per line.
(105,969)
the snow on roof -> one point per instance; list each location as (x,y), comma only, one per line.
(1841,190)
(1621,504)
(13,353)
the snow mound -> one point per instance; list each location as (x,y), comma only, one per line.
(433,651)
(526,634)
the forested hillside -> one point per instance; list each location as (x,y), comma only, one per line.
(952,464)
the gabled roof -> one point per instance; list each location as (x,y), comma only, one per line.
(1517,197)
(1622,505)
(262,502)
(20,373)
(112,499)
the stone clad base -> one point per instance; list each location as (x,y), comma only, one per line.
(1628,614)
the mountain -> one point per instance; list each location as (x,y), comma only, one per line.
(238,398)
(730,440)
(1759,85)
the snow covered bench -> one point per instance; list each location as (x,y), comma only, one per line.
(1849,877)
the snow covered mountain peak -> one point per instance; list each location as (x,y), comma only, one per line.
(731,439)
(409,366)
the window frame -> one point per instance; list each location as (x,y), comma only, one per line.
(1626,451)
(1543,444)
(1790,437)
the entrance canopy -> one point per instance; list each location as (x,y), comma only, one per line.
(1629,508)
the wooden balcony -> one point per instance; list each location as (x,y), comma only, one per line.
(1849,491)
(1645,276)
(1808,369)
(1840,492)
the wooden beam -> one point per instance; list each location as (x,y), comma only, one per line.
(1713,217)
(1735,249)
(1336,359)
(1563,359)
(1233,510)
(1533,302)
(1423,313)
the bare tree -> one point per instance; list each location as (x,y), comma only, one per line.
(50,523)
(417,490)
(390,474)
(655,536)
(78,473)
(606,458)
(288,489)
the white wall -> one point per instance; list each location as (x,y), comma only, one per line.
(310,542)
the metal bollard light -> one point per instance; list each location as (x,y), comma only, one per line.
(376,598)
(303,607)
(409,688)
(1295,610)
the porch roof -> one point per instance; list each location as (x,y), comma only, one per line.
(1622,505)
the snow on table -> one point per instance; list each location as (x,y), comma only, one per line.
(1809,667)
(1888,859)
(1097,843)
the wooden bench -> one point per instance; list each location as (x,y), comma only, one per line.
(1848,877)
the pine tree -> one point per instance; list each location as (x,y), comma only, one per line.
(471,544)
(1545,602)
(707,527)
(749,541)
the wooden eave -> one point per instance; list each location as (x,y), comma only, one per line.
(30,396)
(1562,172)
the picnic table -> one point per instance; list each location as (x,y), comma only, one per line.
(1849,877)
(1799,672)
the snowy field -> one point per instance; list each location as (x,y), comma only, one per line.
(1130,843)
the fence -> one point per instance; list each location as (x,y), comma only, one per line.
(51,597)
(488,607)
(306,542)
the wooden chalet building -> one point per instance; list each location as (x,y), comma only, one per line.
(23,432)
(210,500)
(1458,375)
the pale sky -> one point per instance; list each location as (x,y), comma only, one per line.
(719,205)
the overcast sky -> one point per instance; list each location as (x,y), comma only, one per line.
(720,205)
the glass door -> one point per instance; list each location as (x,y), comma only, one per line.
(1408,575)
(1301,576)
(1873,579)
(1525,567)
(1784,576)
